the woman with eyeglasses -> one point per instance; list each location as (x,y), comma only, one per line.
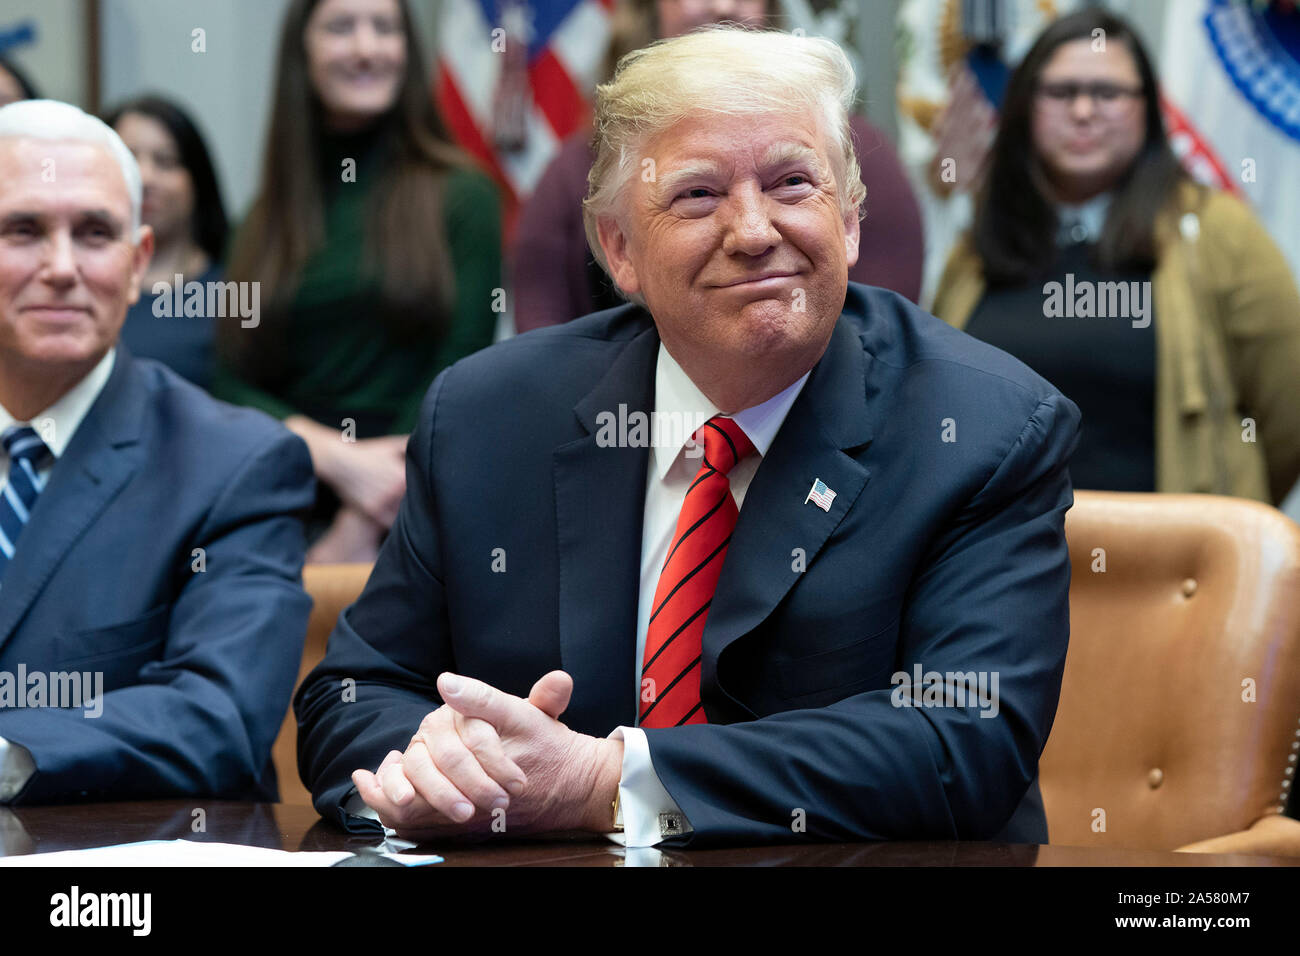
(1161,307)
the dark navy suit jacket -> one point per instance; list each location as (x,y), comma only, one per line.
(198,665)
(950,554)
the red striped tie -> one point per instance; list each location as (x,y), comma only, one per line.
(670,677)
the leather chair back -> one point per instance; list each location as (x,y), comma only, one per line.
(1178,712)
(332,588)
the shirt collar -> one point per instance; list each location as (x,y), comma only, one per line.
(57,424)
(1082,222)
(680,399)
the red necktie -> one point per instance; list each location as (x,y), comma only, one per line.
(673,643)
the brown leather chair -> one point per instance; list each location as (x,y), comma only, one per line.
(1178,721)
(332,588)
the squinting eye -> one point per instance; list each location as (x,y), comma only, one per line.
(786,181)
(96,233)
(691,193)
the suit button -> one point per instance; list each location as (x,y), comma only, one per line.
(1155,778)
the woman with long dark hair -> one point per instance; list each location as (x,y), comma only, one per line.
(181,202)
(376,245)
(1160,306)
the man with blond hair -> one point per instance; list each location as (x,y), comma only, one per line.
(151,612)
(836,610)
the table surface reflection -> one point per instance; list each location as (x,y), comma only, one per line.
(297,827)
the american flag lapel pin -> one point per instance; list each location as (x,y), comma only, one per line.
(820,495)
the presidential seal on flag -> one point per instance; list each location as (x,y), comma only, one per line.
(1232,67)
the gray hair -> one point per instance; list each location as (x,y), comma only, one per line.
(720,69)
(53,120)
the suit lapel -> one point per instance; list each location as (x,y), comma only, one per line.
(98,461)
(830,416)
(600,502)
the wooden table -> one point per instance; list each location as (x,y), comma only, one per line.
(297,827)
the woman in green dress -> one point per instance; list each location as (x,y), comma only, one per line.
(377,248)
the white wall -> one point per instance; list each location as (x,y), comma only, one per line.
(55,62)
(146,46)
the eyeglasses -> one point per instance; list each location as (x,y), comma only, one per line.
(1106,97)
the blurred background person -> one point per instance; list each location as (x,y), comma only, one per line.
(954,60)
(1196,389)
(555,276)
(377,246)
(182,204)
(14,84)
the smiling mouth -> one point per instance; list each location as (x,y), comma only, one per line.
(58,310)
(369,76)
(769,277)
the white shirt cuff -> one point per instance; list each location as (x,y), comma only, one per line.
(16,768)
(648,813)
(357,807)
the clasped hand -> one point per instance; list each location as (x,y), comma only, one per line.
(488,761)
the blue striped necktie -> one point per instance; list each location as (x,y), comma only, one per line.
(26,457)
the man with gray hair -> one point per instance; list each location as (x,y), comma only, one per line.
(720,610)
(151,611)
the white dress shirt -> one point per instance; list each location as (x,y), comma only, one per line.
(56,425)
(642,798)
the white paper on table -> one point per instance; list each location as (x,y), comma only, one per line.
(195,853)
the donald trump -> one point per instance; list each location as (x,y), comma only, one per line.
(696,635)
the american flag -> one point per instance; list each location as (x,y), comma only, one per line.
(515,77)
(821,495)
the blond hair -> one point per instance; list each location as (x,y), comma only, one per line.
(721,69)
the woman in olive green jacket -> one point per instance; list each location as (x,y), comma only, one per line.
(1226,309)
